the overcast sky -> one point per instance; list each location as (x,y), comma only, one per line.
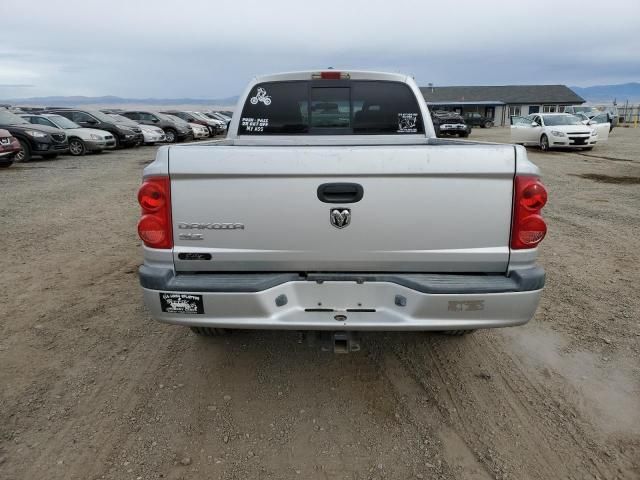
(210,49)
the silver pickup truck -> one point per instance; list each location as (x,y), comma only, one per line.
(332,206)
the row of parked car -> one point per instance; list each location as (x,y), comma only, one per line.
(49,132)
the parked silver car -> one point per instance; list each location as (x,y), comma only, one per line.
(152,135)
(81,140)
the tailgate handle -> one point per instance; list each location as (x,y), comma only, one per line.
(340,192)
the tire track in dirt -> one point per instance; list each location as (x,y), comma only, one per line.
(558,414)
(501,418)
(422,411)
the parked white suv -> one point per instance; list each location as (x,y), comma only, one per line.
(332,206)
(553,130)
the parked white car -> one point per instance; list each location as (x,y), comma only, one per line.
(199,131)
(81,140)
(152,134)
(553,130)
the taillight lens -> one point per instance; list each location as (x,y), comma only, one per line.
(151,196)
(154,228)
(528,228)
(532,230)
(534,196)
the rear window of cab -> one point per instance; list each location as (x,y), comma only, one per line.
(351,107)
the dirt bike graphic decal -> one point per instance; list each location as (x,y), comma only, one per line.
(261,96)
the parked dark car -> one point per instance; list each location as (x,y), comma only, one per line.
(449,123)
(35,140)
(219,116)
(174,131)
(9,148)
(191,117)
(476,120)
(124,135)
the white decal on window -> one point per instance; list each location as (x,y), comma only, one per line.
(407,122)
(250,124)
(261,96)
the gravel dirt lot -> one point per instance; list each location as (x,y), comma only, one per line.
(92,388)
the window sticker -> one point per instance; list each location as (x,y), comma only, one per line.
(250,124)
(261,96)
(407,122)
(181,303)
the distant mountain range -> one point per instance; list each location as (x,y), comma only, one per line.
(595,94)
(608,93)
(109,100)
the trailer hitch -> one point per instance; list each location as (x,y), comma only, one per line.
(336,342)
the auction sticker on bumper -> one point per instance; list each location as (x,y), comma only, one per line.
(181,303)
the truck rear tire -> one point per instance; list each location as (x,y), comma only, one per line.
(209,331)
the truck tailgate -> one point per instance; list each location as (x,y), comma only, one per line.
(424,208)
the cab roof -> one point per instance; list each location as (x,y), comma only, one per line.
(353,75)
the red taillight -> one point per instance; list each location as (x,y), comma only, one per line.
(154,227)
(528,228)
(531,231)
(151,196)
(152,230)
(534,196)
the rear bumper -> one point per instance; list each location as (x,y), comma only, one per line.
(343,301)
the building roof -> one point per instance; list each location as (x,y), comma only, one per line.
(509,94)
(477,102)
